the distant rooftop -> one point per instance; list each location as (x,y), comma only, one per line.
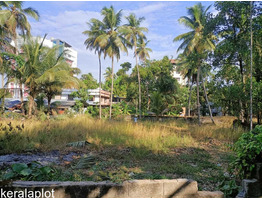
(173,61)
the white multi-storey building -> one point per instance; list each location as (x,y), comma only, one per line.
(70,56)
(180,79)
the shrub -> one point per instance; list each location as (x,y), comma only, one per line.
(79,106)
(92,111)
(249,152)
(229,187)
(32,171)
(41,116)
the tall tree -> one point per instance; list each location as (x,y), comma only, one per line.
(200,39)
(143,53)
(89,81)
(233,26)
(122,80)
(133,30)
(187,66)
(96,29)
(56,74)
(142,50)
(41,68)
(112,41)
(13,18)
(5,47)
(108,74)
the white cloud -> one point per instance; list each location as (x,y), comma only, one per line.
(149,9)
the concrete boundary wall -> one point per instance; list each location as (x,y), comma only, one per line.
(175,188)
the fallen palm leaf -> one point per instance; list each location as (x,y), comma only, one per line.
(78,144)
(85,162)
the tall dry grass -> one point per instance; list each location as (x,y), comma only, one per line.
(222,130)
(142,137)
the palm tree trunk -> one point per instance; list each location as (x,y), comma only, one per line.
(100,85)
(189,98)
(3,81)
(112,87)
(241,103)
(210,112)
(21,97)
(20,84)
(148,99)
(139,84)
(31,103)
(30,106)
(49,97)
(198,103)
(3,98)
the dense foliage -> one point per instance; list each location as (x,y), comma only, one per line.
(249,152)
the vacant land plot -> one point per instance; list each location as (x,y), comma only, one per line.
(118,150)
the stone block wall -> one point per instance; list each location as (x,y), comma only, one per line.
(252,187)
(176,188)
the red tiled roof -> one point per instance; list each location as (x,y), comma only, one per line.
(173,61)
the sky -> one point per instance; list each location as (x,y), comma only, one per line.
(66,20)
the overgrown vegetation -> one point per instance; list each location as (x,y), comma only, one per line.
(157,137)
(249,152)
(123,150)
(214,54)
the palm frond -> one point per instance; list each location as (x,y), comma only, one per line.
(32,13)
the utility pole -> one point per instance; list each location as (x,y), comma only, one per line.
(251,45)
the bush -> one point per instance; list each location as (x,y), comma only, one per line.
(92,111)
(41,116)
(229,187)
(32,171)
(79,106)
(249,152)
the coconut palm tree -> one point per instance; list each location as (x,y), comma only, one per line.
(186,66)
(108,74)
(112,41)
(33,52)
(142,50)
(132,32)
(143,53)
(14,17)
(2,44)
(42,69)
(95,29)
(199,39)
(56,74)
